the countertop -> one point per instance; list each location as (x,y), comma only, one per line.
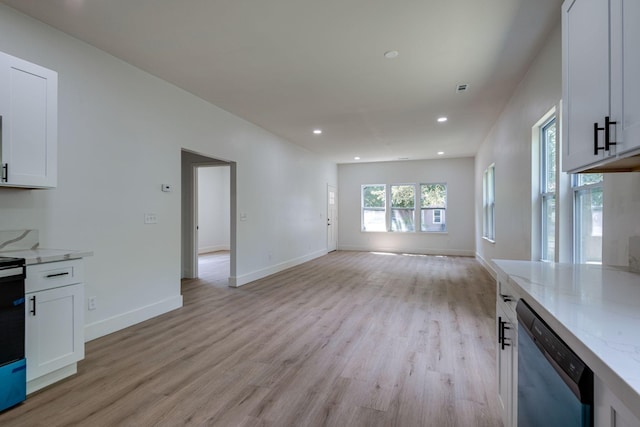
(39,256)
(595,310)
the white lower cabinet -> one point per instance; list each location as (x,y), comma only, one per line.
(54,329)
(609,411)
(507,353)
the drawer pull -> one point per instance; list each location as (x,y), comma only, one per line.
(49,276)
(506,298)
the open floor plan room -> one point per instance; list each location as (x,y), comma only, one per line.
(348,339)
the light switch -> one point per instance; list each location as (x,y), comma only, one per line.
(243,216)
(167,188)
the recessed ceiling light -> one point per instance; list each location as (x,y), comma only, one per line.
(356,158)
(440,153)
(442,119)
(317,131)
(390,54)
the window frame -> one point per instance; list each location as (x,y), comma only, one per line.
(578,189)
(547,195)
(433,208)
(489,203)
(417,208)
(392,208)
(362,208)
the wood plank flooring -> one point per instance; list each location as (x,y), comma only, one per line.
(348,339)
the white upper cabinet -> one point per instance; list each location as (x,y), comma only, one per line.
(29,122)
(601,94)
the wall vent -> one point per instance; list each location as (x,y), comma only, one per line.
(462,88)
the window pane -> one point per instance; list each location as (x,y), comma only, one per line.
(374,220)
(549,157)
(373,208)
(433,203)
(403,200)
(433,195)
(587,178)
(433,220)
(488,198)
(588,223)
(549,228)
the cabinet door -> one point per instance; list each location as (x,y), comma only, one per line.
(29,123)
(586,75)
(506,366)
(54,329)
(625,69)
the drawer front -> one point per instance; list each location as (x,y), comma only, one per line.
(53,275)
(507,296)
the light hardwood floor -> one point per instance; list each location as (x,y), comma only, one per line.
(349,339)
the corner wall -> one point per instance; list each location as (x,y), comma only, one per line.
(121,132)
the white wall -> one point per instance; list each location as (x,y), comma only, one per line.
(456,173)
(508,145)
(621,215)
(213,209)
(121,131)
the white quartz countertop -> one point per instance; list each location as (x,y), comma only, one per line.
(595,310)
(40,256)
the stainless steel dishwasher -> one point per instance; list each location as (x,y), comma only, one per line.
(555,387)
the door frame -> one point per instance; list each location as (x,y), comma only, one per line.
(191,160)
(332,226)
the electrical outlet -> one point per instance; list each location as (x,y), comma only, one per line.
(150,218)
(91,303)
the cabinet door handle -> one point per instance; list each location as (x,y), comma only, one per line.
(504,343)
(607,133)
(595,139)
(5,172)
(48,276)
(33,302)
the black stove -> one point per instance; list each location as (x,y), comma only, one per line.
(6,262)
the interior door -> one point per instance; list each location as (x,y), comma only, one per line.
(332,218)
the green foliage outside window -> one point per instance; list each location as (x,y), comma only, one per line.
(433,195)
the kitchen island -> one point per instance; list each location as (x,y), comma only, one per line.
(596,311)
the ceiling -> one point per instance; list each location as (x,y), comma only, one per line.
(291,66)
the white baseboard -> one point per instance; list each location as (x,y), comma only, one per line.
(130,318)
(421,251)
(486,265)
(236,281)
(216,248)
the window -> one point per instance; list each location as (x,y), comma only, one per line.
(433,204)
(587,218)
(374,208)
(548,184)
(437,216)
(403,202)
(488,203)
(393,207)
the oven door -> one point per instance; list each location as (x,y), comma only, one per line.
(12,316)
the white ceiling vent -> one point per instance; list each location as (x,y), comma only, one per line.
(462,88)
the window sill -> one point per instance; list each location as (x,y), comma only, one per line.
(406,232)
(489,240)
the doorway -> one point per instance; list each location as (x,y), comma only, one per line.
(193,202)
(332,218)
